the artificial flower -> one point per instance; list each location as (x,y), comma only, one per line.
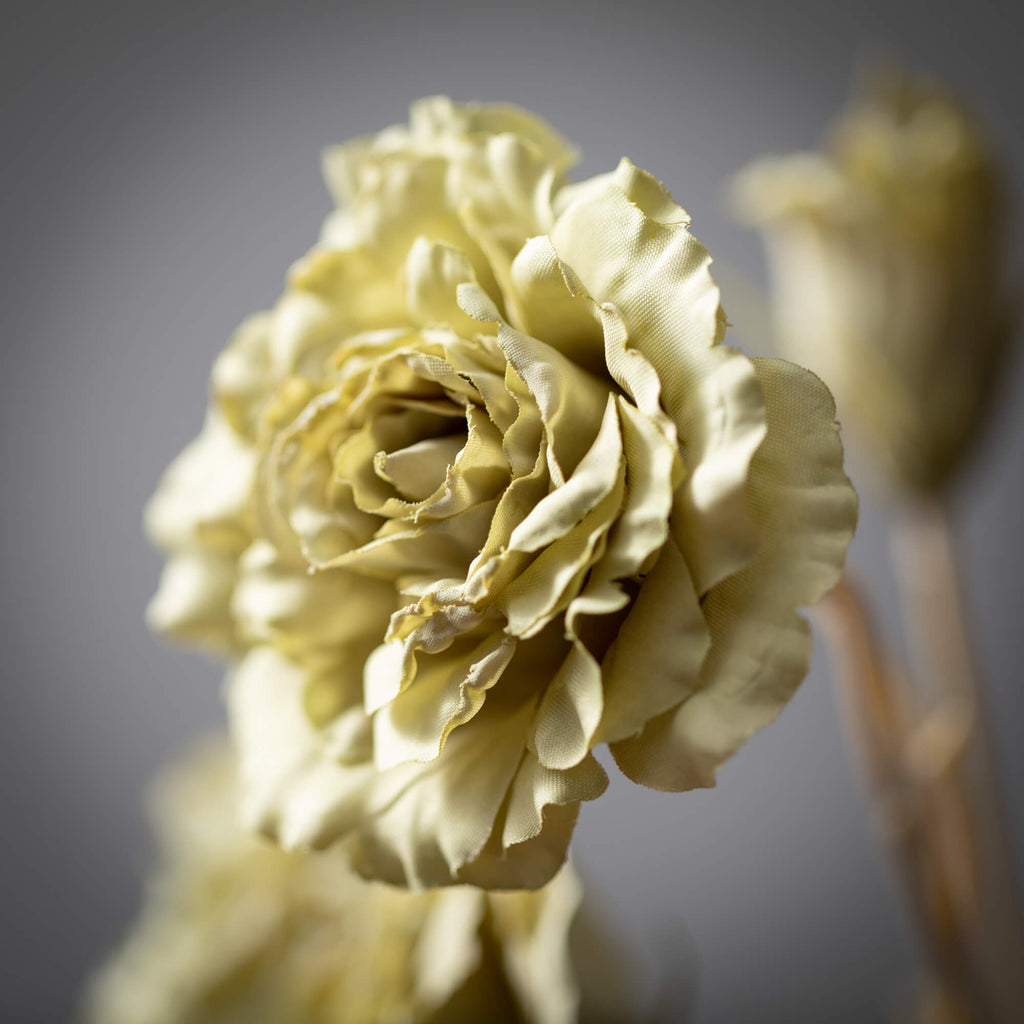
(485,490)
(237,930)
(886,257)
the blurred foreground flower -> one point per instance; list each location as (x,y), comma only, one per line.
(238,930)
(483,491)
(886,254)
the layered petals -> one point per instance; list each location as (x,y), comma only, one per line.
(507,497)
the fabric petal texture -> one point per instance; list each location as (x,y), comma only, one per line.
(498,493)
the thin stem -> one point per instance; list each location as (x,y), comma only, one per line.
(909,762)
(930,581)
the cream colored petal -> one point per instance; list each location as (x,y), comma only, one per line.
(506,196)
(552,305)
(448,947)
(437,477)
(454,819)
(437,117)
(569,711)
(573,713)
(535,861)
(477,474)
(571,402)
(300,612)
(652,471)
(556,307)
(193,600)
(557,574)
(204,493)
(590,483)
(720,429)
(409,195)
(429,822)
(448,690)
(494,566)
(301,507)
(566,526)
(433,273)
(242,376)
(664,630)
(290,790)
(441,549)
(543,807)
(414,471)
(629,246)
(533,932)
(656,658)
(332,294)
(806,510)
(386,672)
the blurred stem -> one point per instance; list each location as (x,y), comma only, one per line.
(909,763)
(926,756)
(988,903)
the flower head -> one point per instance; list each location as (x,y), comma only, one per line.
(483,491)
(885,253)
(236,929)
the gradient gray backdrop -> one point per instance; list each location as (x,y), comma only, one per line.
(160,172)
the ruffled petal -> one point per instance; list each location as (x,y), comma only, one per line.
(806,511)
(630,248)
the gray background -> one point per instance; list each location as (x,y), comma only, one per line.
(160,172)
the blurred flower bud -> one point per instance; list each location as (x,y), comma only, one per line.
(886,256)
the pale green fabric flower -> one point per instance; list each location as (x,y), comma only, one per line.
(886,258)
(237,931)
(506,497)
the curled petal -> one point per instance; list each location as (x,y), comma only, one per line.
(807,511)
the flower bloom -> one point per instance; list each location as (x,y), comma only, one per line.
(886,252)
(236,929)
(483,491)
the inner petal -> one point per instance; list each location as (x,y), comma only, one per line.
(419,469)
(361,458)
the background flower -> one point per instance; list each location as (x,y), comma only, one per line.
(236,929)
(887,259)
(490,492)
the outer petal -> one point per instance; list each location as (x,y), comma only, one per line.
(630,247)
(199,516)
(415,825)
(300,612)
(291,789)
(193,600)
(485,811)
(533,929)
(806,510)
(241,378)
(203,496)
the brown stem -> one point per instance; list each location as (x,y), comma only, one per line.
(910,761)
(930,581)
